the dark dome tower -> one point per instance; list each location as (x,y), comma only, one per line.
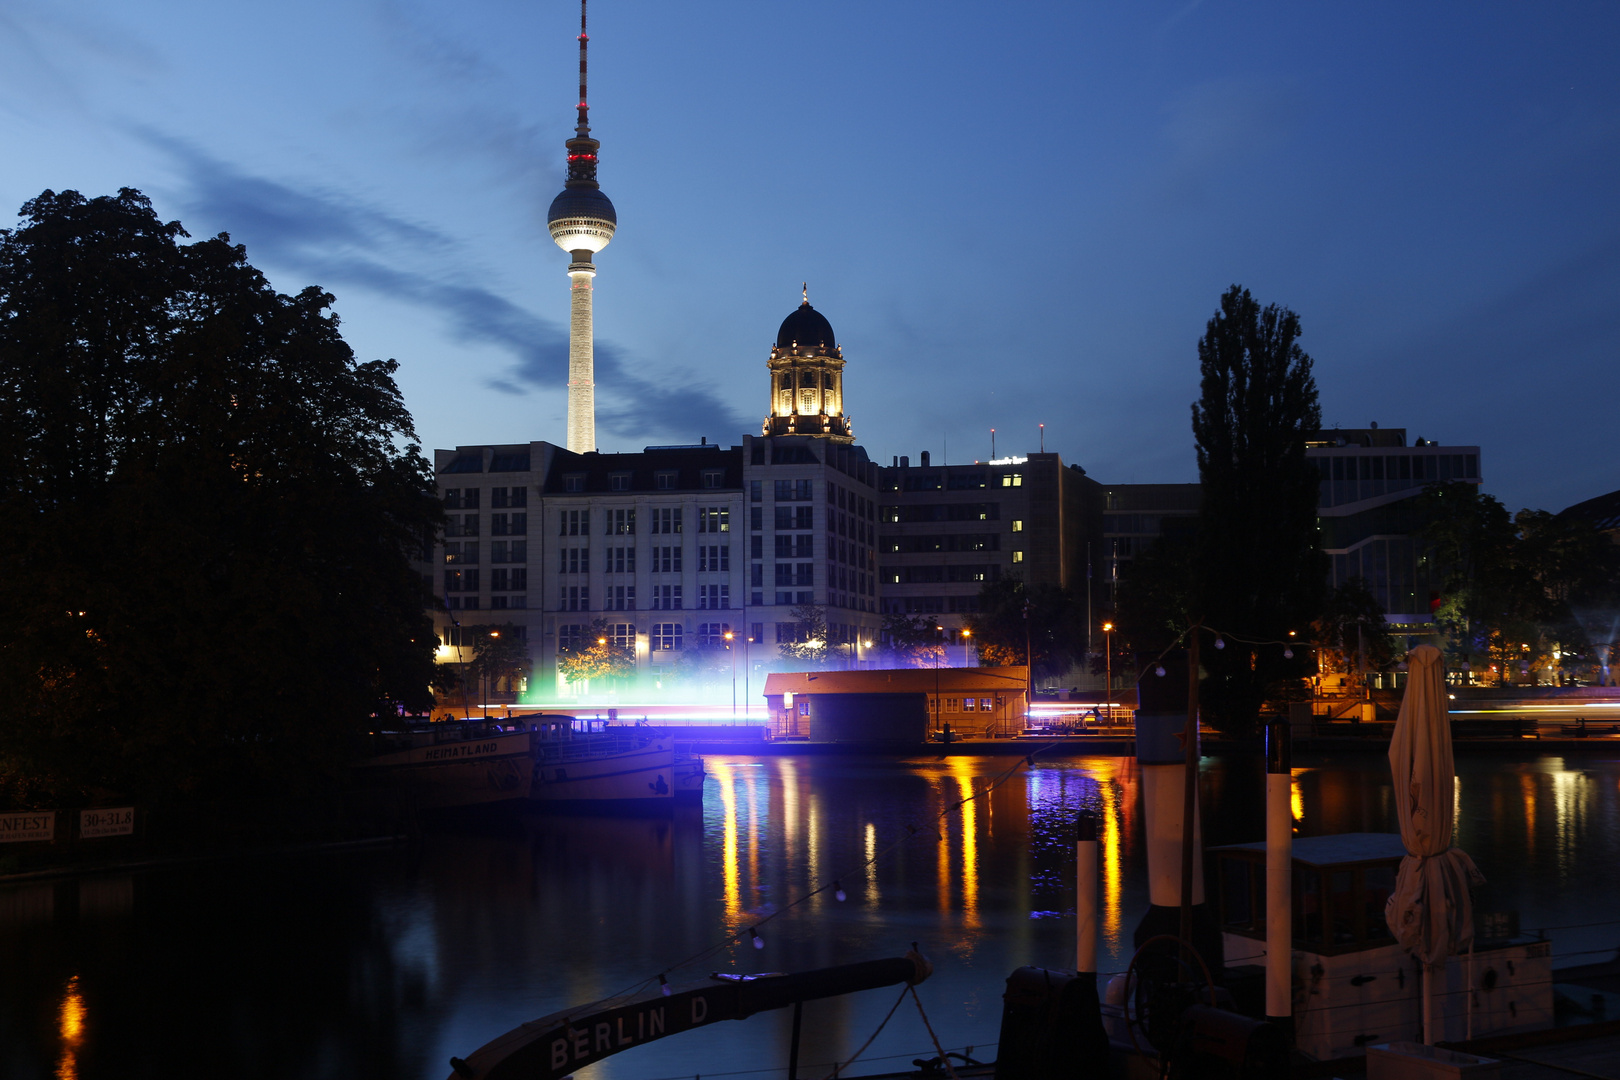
(582,221)
(807,378)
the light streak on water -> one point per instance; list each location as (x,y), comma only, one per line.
(70,1029)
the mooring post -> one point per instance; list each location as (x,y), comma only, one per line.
(793,1046)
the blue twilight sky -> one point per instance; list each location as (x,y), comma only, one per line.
(1012,213)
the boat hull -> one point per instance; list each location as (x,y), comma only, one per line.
(643,775)
(467,772)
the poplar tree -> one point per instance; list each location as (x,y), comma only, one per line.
(1260,571)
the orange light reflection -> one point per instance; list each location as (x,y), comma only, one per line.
(70,1026)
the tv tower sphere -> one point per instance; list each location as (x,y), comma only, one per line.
(582,219)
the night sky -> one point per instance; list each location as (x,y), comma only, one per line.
(1011,213)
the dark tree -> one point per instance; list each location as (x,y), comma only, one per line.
(1351,634)
(1157,594)
(1054,629)
(914,640)
(1260,571)
(208,511)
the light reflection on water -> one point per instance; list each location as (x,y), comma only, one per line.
(387,962)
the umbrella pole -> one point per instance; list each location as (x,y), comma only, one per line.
(1428,1005)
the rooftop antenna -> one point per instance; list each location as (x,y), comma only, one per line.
(992,444)
(806,292)
(1043,438)
(583,127)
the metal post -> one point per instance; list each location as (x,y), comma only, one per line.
(793,1045)
(1085,894)
(1279,877)
(1189,806)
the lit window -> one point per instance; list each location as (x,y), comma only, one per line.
(1018,525)
(1018,556)
(1012,479)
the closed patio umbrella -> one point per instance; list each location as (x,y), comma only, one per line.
(1430,912)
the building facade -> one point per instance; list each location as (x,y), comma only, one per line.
(944,531)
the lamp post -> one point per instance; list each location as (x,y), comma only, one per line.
(483,681)
(729,635)
(1108,667)
(967,643)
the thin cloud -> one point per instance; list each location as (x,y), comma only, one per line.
(336,240)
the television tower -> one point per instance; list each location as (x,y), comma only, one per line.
(582,221)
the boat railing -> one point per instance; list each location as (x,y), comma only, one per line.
(576,747)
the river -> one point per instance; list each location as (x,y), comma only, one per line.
(385,962)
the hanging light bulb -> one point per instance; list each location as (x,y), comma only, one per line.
(1220,642)
(759,942)
(663,986)
(1159,671)
(838,893)
(1288,654)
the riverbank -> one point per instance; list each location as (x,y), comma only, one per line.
(1372,742)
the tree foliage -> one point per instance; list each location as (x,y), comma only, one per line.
(913,640)
(1518,591)
(1055,626)
(1351,634)
(499,652)
(809,644)
(597,657)
(1259,569)
(208,511)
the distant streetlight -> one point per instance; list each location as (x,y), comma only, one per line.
(1108,667)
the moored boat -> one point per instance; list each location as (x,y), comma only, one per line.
(601,765)
(454,764)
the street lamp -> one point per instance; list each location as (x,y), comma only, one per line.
(484,679)
(1108,666)
(729,635)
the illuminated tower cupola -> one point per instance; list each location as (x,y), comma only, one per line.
(807,378)
(582,222)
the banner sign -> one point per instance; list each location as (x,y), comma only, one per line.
(107,821)
(31,825)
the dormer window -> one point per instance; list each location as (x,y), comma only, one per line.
(619,482)
(664,481)
(574,483)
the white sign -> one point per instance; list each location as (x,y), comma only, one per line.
(32,825)
(107,821)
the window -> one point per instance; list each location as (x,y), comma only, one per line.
(756,547)
(460,581)
(756,576)
(666,560)
(984,704)
(713,633)
(452,553)
(517,551)
(518,496)
(756,518)
(574,560)
(569,637)
(755,494)
(508,580)
(576,598)
(714,519)
(1012,479)
(784,599)
(967,704)
(666,519)
(665,636)
(469,498)
(795,517)
(619,522)
(795,490)
(1018,556)
(622,635)
(452,498)
(497,498)
(784,574)
(1018,525)
(620,560)
(714,597)
(497,552)
(714,478)
(461,525)
(498,524)
(665,481)
(619,481)
(574,483)
(804,573)
(713,558)
(756,631)
(666,598)
(621,598)
(509,462)
(891,515)
(575,523)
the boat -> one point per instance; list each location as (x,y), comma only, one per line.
(442,764)
(592,763)
(535,759)
(689,777)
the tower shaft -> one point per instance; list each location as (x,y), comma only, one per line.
(581,361)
